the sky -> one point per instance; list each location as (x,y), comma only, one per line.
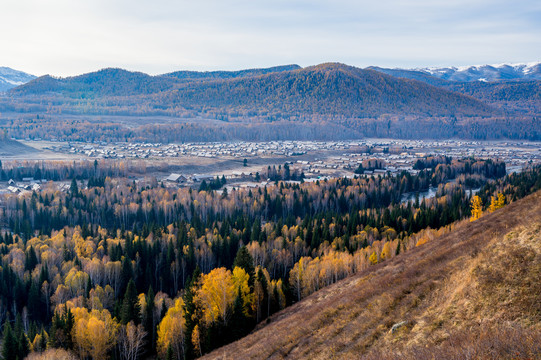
(70,37)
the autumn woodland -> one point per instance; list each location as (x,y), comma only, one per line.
(113,268)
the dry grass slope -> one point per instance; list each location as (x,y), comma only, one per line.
(473,293)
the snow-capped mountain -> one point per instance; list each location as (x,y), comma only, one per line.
(500,72)
(10,78)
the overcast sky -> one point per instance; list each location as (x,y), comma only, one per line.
(68,37)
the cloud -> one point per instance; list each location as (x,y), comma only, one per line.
(65,37)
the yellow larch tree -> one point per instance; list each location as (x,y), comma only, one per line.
(476,208)
(373,258)
(496,202)
(386,251)
(196,340)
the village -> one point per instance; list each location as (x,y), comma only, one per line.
(313,159)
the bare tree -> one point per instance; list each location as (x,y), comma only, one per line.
(131,341)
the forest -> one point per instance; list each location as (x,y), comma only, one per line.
(224,127)
(114,268)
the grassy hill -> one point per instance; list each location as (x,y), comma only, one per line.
(472,293)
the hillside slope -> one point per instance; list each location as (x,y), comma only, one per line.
(470,294)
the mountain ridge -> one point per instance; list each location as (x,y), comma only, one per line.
(11,78)
(223,74)
(324,89)
(471,73)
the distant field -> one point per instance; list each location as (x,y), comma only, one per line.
(15,148)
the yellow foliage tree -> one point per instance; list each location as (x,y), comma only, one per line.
(76,281)
(278,293)
(216,295)
(386,251)
(296,277)
(476,208)
(373,258)
(196,340)
(241,282)
(94,332)
(496,202)
(171,331)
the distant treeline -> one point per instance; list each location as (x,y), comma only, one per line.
(280,128)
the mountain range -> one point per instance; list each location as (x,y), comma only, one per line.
(438,76)
(10,78)
(328,89)
(365,102)
(486,73)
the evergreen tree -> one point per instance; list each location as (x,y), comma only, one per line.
(189,311)
(239,324)
(10,346)
(130,305)
(74,188)
(149,322)
(24,347)
(245,261)
(34,302)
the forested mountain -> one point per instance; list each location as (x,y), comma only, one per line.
(102,83)
(119,82)
(471,293)
(498,91)
(510,88)
(329,89)
(10,78)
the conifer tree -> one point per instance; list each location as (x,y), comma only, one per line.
(189,311)
(245,261)
(130,306)
(149,322)
(10,344)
